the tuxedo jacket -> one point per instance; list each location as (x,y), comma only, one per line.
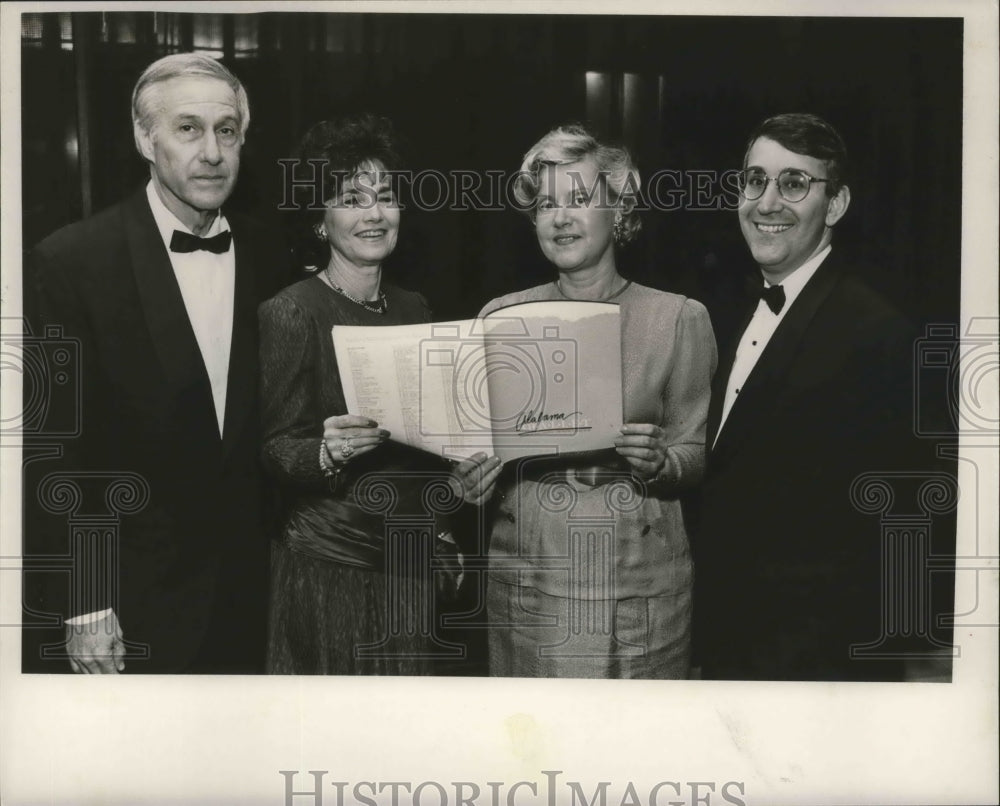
(190,574)
(789,568)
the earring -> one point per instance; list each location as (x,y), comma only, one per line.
(320,232)
(618,230)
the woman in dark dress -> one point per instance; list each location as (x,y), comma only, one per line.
(349,595)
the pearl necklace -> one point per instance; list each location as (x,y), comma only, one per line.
(611,296)
(379,307)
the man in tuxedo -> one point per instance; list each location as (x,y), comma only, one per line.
(814,392)
(160,292)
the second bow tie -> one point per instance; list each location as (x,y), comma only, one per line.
(774,296)
(186,242)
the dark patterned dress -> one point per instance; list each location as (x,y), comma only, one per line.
(348,594)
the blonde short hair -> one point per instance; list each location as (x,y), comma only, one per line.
(565,145)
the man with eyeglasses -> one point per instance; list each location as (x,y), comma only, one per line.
(814,393)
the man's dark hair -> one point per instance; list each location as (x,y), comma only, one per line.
(810,136)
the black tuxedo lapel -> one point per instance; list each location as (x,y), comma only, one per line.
(166,317)
(241,387)
(756,398)
(720,381)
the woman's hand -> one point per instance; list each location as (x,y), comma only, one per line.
(476,477)
(644,447)
(350,435)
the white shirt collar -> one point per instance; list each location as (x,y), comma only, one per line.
(796,281)
(167,222)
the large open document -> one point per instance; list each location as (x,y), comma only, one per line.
(531,379)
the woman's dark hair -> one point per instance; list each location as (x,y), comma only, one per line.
(331,153)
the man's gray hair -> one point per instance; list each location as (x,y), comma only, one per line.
(178,65)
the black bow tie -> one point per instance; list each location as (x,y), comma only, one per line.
(774,296)
(186,242)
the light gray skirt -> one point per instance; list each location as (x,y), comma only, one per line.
(533,634)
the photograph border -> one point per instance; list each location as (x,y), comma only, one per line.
(249,740)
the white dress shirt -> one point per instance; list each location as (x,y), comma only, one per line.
(761,329)
(208,284)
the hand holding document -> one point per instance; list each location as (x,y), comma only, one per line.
(533,379)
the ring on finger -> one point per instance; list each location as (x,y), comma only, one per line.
(347,449)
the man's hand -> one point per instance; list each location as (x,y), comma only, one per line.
(96,648)
(475,477)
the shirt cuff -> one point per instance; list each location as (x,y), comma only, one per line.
(89,618)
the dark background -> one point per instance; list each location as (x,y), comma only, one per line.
(474,92)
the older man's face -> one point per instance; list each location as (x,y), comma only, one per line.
(783,235)
(194,146)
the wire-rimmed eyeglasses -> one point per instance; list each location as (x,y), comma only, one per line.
(793,184)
